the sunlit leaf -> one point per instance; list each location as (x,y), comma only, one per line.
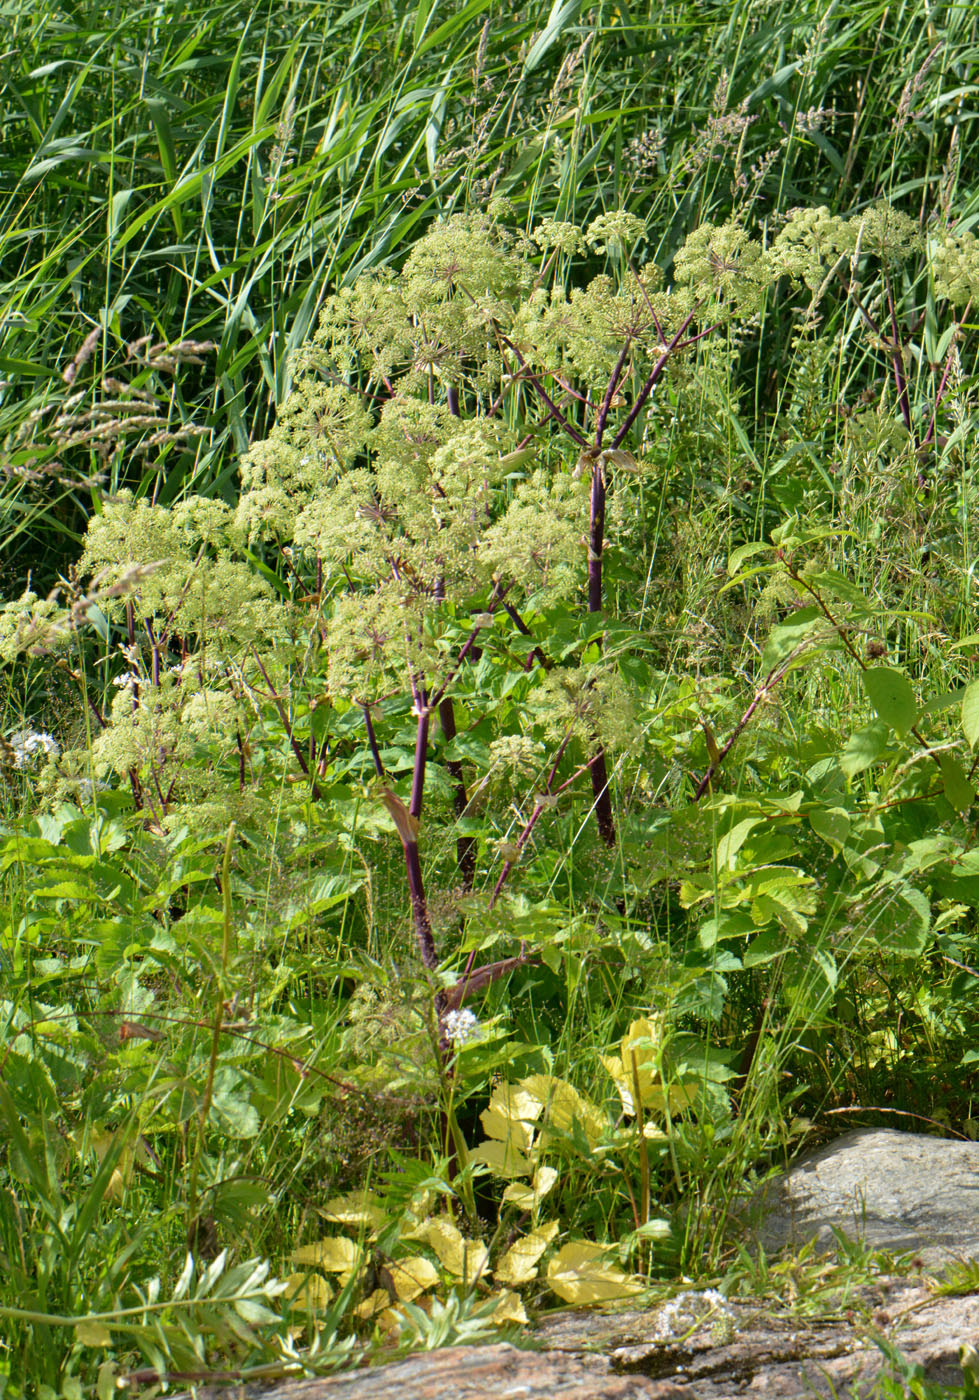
(464,1259)
(336,1255)
(509,1308)
(310,1292)
(412,1276)
(519,1263)
(579,1274)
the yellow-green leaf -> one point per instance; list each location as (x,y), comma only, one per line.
(310,1292)
(519,1264)
(579,1274)
(508,1308)
(412,1276)
(565,1106)
(464,1259)
(358,1208)
(336,1255)
(93,1334)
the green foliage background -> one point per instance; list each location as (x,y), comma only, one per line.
(216,1021)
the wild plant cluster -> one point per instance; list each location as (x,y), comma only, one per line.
(497,768)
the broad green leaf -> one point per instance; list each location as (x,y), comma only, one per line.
(831,823)
(787,637)
(864,747)
(729,845)
(970,714)
(958,789)
(890,693)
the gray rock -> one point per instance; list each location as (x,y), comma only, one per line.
(894,1191)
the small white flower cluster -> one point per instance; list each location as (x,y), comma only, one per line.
(461,1027)
(689,1311)
(28,743)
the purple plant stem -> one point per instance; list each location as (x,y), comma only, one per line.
(598,768)
(372,741)
(465,845)
(555,412)
(673,345)
(897,360)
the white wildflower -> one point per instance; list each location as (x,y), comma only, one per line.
(28,743)
(461,1027)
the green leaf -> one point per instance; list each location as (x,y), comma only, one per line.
(831,823)
(890,693)
(958,789)
(864,748)
(784,639)
(970,714)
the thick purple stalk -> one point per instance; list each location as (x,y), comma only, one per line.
(465,845)
(596,539)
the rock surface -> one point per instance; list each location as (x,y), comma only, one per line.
(620,1356)
(895,1191)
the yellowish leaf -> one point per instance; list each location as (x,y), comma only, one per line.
(337,1255)
(529,1197)
(375,1302)
(359,1208)
(508,1309)
(308,1291)
(463,1259)
(412,1276)
(502,1158)
(93,1334)
(519,1264)
(511,1116)
(565,1106)
(579,1274)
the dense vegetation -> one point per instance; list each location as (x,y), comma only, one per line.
(488,741)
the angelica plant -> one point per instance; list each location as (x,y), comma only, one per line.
(418,542)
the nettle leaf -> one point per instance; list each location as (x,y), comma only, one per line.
(529,1197)
(412,1276)
(360,1209)
(337,1255)
(890,693)
(579,1274)
(864,748)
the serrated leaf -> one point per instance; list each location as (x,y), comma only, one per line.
(509,1309)
(358,1208)
(579,1274)
(463,1259)
(336,1255)
(890,693)
(519,1263)
(309,1292)
(412,1276)
(564,1106)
